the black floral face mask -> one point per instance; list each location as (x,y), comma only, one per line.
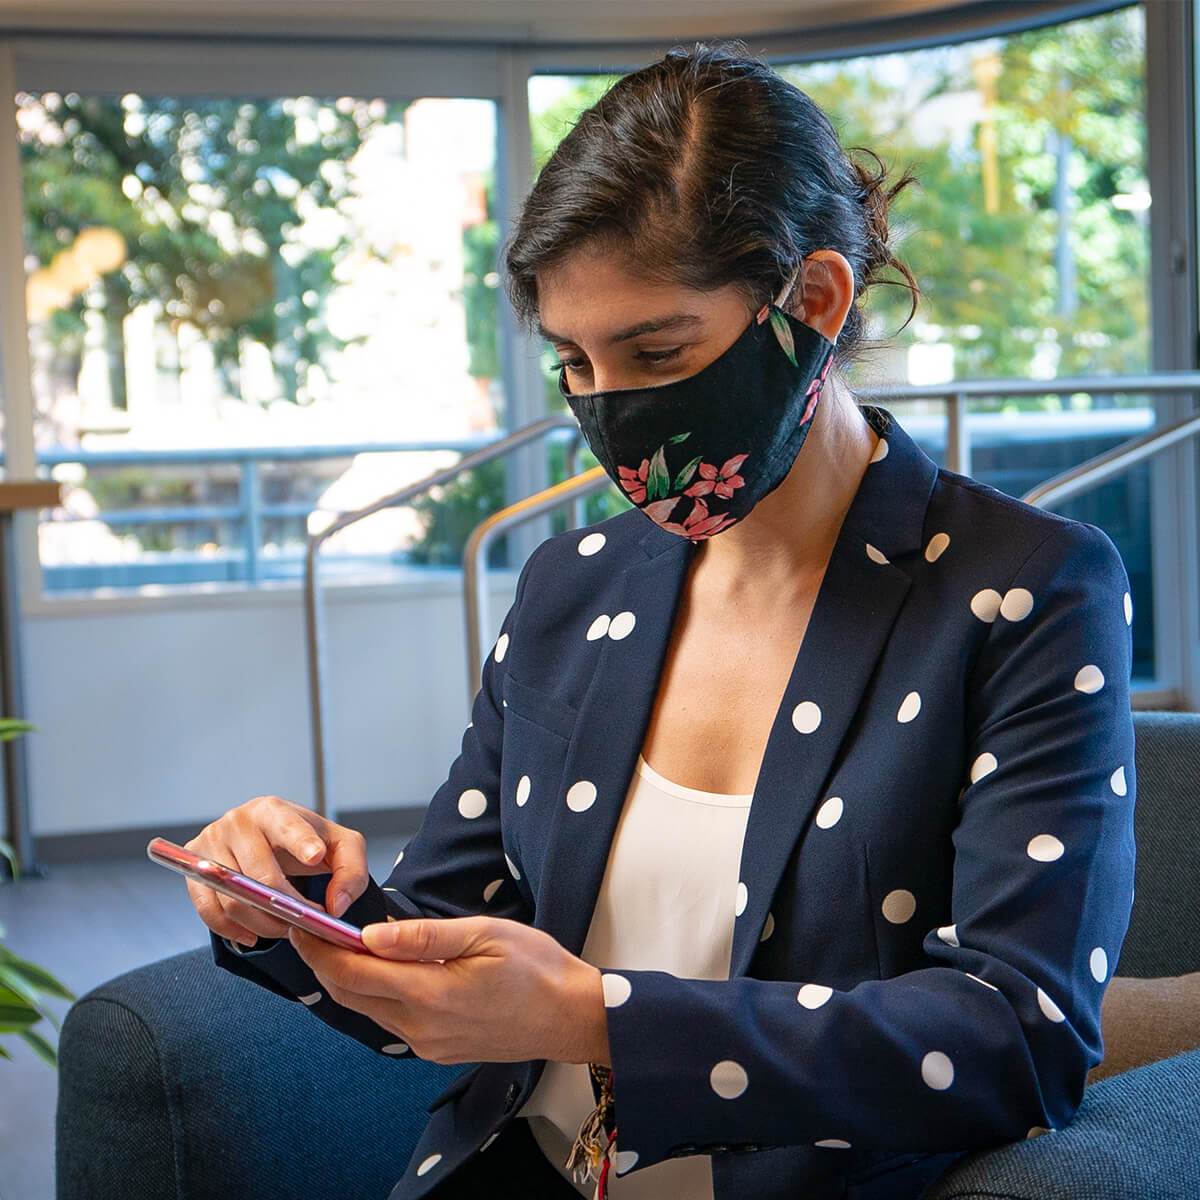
(698,454)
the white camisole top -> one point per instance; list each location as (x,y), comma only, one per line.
(666,903)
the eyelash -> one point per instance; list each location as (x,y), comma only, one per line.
(653,357)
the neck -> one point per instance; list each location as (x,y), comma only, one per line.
(790,533)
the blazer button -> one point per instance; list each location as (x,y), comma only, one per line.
(510,1097)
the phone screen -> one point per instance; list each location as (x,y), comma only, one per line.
(258,895)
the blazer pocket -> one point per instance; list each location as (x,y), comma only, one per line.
(541,709)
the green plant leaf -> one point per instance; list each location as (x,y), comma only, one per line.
(783,333)
(658,478)
(4,1053)
(11,855)
(40,1047)
(687,474)
(11,728)
(15,1018)
(39,978)
(16,983)
(679,437)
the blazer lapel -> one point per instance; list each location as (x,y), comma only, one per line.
(859,600)
(607,739)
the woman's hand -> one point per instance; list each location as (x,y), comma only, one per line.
(269,839)
(469,989)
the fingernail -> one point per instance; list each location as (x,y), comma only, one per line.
(313,848)
(249,945)
(341,902)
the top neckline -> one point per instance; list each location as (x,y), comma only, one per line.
(729,799)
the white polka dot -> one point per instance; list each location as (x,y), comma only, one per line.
(1098,961)
(592,544)
(989,986)
(489,1141)
(1089,679)
(626,1160)
(599,627)
(1045,848)
(396,1048)
(622,626)
(581,796)
(813,995)
(830,813)
(1128,609)
(1117,782)
(876,556)
(806,716)
(740,900)
(949,934)
(899,906)
(501,647)
(1050,1010)
(728,1079)
(986,604)
(909,707)
(398,858)
(937,1070)
(937,546)
(617,990)
(491,889)
(880,452)
(832,1144)
(1016,605)
(310,999)
(472,803)
(512,868)
(523,786)
(428,1165)
(768,927)
(984,765)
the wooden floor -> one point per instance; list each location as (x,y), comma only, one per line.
(85,922)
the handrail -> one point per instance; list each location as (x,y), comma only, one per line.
(1112,462)
(314,612)
(475,589)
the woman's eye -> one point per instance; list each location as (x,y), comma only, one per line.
(569,364)
(656,357)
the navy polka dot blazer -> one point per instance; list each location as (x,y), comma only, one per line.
(937,870)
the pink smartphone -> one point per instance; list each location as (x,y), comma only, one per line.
(258,895)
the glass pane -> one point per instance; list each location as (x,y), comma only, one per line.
(231,302)
(1028,234)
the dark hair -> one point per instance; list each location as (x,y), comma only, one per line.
(706,169)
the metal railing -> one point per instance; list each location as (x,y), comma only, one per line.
(250,511)
(957,458)
(314,611)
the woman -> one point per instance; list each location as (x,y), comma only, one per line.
(804,806)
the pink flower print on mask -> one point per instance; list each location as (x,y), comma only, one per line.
(698,524)
(814,391)
(719,482)
(634,482)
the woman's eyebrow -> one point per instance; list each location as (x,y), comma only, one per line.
(654,325)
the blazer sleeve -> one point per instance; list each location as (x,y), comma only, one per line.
(995,1036)
(454,866)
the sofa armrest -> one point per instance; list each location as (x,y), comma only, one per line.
(1135,1135)
(181,1080)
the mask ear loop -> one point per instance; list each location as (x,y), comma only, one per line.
(786,290)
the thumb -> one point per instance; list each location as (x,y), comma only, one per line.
(423,939)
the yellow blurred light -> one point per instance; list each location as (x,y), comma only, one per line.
(101,248)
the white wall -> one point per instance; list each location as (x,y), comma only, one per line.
(173,713)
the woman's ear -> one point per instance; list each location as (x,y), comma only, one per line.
(824,293)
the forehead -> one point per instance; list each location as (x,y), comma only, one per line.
(596,295)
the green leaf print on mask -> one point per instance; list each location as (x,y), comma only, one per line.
(687,474)
(658,479)
(784,334)
(679,437)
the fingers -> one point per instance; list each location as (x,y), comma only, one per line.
(428,940)
(268,839)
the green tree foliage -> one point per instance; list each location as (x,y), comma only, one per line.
(206,195)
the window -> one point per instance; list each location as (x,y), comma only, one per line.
(233,300)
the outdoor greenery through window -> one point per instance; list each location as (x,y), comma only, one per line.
(221,291)
(1028,234)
